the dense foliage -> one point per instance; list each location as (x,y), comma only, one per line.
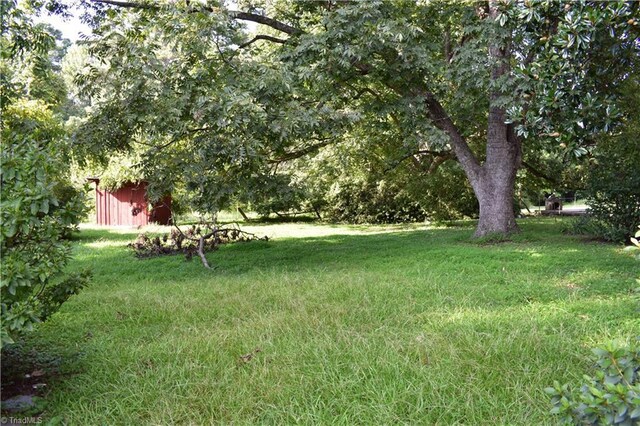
(369,186)
(359,182)
(38,208)
(613,185)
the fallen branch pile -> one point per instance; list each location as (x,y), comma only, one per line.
(195,240)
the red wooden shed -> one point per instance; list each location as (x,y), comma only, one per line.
(128,205)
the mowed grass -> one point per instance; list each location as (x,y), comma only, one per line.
(340,325)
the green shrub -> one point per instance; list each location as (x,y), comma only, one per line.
(401,197)
(446,194)
(591,226)
(368,183)
(38,208)
(280,196)
(372,202)
(611,396)
(34,221)
(613,185)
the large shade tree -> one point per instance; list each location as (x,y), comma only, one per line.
(491,83)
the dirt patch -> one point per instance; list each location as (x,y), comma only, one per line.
(25,372)
(571,286)
(26,376)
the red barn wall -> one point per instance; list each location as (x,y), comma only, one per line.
(128,206)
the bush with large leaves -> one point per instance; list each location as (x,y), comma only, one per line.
(35,219)
(610,397)
(37,208)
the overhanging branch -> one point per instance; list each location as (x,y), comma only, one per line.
(262,37)
(264,20)
(531,169)
(127,4)
(439,158)
(442,121)
(302,152)
(233,14)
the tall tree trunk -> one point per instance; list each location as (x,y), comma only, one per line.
(494,181)
(496,211)
(494,186)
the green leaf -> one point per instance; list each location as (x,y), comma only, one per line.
(600,352)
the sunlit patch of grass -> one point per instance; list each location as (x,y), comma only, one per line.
(338,324)
(308,230)
(104,243)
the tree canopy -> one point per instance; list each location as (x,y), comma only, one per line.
(493,85)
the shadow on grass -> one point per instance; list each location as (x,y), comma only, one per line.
(424,317)
(107,234)
(284,219)
(538,265)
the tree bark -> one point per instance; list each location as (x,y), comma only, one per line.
(201,253)
(493,181)
(494,186)
(495,192)
(243,214)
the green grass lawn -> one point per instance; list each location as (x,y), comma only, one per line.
(337,325)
